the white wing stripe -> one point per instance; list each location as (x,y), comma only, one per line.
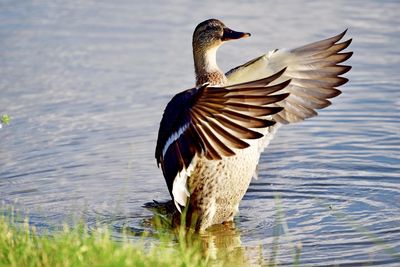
(173,137)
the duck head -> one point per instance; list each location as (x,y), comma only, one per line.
(208,36)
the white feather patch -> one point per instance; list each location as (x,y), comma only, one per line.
(173,137)
(180,190)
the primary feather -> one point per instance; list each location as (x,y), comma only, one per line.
(313,69)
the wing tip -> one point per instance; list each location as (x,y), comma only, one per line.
(277,109)
(326,103)
(344,69)
(335,93)
(282,71)
(341,81)
(286,83)
(344,56)
(277,87)
(282,97)
(342,34)
(349,54)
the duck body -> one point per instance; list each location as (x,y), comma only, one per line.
(211,136)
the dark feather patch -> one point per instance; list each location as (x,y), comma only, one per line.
(212,121)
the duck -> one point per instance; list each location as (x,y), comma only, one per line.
(211,136)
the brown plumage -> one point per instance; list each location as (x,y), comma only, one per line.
(211,136)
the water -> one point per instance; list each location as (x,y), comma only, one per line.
(85,84)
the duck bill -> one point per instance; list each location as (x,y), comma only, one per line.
(233,35)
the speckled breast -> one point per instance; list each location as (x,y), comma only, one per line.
(217,186)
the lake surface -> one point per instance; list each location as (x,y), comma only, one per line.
(85,84)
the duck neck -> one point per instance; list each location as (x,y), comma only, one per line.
(206,68)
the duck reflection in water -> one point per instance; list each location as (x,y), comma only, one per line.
(218,242)
(222,242)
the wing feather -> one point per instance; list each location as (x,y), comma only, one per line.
(314,70)
(214,122)
(281,86)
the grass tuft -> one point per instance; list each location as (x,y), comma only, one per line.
(23,246)
(4,119)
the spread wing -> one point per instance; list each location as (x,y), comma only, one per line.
(314,70)
(213,121)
